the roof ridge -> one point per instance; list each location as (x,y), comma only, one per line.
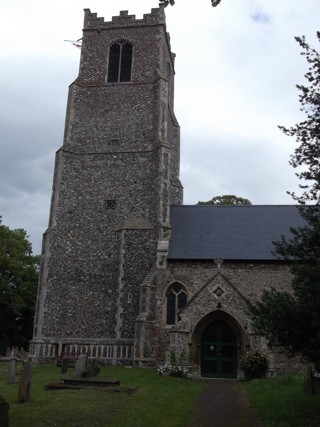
(235,206)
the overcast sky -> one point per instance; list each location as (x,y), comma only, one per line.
(236,70)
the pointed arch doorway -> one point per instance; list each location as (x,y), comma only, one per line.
(219,350)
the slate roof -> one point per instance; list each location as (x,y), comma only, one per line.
(208,232)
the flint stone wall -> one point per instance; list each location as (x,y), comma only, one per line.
(119,165)
(210,289)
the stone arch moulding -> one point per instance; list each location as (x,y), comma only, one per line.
(172,282)
(241,335)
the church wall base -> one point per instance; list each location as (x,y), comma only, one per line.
(145,363)
(111,352)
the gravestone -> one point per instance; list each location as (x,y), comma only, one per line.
(81,365)
(24,393)
(12,365)
(4,413)
(92,370)
(65,365)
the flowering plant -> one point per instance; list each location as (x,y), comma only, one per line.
(173,370)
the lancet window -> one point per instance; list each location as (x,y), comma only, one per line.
(176,299)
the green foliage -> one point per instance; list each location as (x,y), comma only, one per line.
(274,317)
(254,364)
(227,199)
(292,321)
(280,404)
(173,358)
(165,3)
(307,132)
(18,287)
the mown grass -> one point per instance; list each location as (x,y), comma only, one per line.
(157,401)
(278,404)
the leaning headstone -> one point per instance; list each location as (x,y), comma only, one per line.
(81,364)
(92,370)
(12,365)
(4,413)
(24,393)
(21,353)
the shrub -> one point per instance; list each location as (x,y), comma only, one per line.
(254,364)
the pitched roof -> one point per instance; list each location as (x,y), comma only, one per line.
(204,232)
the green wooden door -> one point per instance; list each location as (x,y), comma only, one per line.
(218,351)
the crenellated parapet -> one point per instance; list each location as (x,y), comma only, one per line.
(93,22)
(126,23)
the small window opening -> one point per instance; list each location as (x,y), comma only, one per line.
(110,204)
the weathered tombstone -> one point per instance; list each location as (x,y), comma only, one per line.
(4,413)
(65,365)
(21,353)
(307,380)
(24,393)
(12,365)
(81,364)
(92,370)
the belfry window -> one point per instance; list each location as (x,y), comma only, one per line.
(176,298)
(120,62)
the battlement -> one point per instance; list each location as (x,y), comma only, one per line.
(93,22)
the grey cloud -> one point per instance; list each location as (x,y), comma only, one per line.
(261,17)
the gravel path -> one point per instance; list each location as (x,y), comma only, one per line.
(223,404)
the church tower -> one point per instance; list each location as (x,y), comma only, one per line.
(115,177)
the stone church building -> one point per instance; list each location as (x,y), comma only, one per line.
(129,274)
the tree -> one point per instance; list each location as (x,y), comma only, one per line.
(291,321)
(214,3)
(227,199)
(18,287)
(307,132)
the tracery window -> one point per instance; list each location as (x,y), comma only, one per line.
(120,62)
(176,298)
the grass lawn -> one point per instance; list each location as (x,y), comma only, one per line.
(283,405)
(158,401)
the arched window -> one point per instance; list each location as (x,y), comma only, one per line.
(120,62)
(176,298)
